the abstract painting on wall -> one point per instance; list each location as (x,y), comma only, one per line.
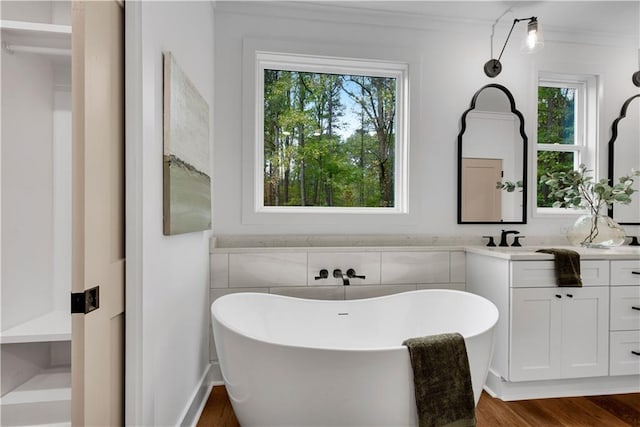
(186,172)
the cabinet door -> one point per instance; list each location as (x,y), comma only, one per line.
(585,335)
(535,334)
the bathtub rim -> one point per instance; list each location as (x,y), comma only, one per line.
(494,312)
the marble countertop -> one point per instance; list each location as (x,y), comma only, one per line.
(510,253)
(525,253)
(285,249)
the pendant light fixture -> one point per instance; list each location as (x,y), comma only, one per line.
(532,43)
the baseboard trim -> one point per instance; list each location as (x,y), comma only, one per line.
(198,400)
(508,391)
(215,376)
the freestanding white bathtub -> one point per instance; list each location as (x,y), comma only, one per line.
(297,362)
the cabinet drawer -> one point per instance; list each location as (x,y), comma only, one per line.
(532,274)
(625,273)
(625,308)
(622,361)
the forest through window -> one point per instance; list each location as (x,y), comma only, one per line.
(558,144)
(329,139)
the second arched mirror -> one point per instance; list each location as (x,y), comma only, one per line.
(492,149)
(624,155)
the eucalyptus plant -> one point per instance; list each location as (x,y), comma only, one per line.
(577,189)
(509,186)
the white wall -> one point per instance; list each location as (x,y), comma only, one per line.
(447,71)
(27,191)
(167,276)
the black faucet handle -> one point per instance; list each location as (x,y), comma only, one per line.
(634,241)
(351,273)
(491,242)
(516,240)
(322,274)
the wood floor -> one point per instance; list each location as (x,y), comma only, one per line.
(620,410)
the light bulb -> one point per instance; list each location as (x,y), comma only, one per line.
(533,42)
(532,38)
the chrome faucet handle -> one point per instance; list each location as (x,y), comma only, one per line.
(351,273)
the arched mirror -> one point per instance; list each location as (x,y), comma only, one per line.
(624,154)
(492,148)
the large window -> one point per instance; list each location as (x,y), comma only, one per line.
(566,128)
(332,134)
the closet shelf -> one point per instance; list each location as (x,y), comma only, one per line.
(53,326)
(35,27)
(49,385)
(43,400)
(35,35)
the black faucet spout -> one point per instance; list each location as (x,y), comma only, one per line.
(338,274)
(503,236)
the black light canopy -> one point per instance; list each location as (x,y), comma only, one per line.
(493,67)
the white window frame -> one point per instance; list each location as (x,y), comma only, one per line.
(585,135)
(334,65)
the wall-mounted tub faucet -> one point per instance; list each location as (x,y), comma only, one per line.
(503,236)
(338,274)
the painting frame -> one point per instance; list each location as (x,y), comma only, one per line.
(186,153)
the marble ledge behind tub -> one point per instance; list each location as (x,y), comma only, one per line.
(270,242)
(279,269)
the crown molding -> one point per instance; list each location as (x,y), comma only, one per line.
(361,15)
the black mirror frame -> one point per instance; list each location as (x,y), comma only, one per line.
(611,146)
(525,143)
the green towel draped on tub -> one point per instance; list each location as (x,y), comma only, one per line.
(442,381)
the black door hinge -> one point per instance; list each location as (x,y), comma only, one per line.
(85,302)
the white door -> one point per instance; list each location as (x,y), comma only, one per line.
(585,332)
(481,200)
(535,334)
(98,211)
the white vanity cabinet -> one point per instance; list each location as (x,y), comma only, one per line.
(560,341)
(624,356)
(558,333)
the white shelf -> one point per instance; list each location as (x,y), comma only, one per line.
(35,27)
(45,399)
(35,37)
(49,385)
(53,326)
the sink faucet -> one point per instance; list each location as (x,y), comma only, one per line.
(503,236)
(338,274)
